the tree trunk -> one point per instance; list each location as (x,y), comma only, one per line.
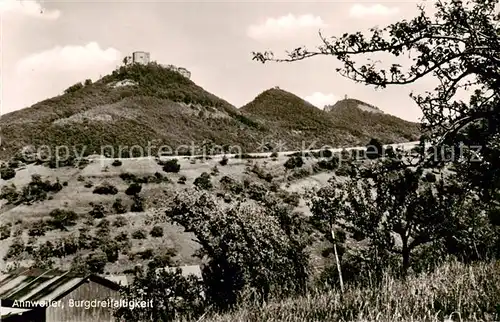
(406,256)
(337,260)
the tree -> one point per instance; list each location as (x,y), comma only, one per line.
(173,296)
(74,88)
(394,211)
(459,48)
(247,247)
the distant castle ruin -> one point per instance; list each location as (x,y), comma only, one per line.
(144,58)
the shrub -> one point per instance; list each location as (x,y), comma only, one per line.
(256,191)
(139,234)
(7,173)
(112,250)
(430,177)
(62,218)
(37,229)
(203,181)
(294,162)
(16,249)
(98,210)
(116,163)
(157,231)
(293,199)
(172,166)
(145,254)
(182,180)
(118,207)
(133,189)
(96,262)
(73,88)
(224,161)
(215,171)
(163,260)
(122,237)
(138,205)
(106,189)
(10,193)
(274,155)
(128,177)
(120,221)
(5,231)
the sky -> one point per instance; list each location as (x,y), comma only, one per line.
(48,46)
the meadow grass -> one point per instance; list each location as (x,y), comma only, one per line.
(453,292)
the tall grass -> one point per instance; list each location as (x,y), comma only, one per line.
(454,292)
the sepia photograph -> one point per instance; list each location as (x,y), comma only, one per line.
(247,161)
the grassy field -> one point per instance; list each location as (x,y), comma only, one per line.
(454,292)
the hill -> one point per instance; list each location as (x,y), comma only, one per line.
(133,106)
(372,122)
(293,119)
(151,106)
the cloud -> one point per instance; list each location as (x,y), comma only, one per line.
(362,11)
(320,100)
(48,73)
(284,26)
(28,8)
(70,58)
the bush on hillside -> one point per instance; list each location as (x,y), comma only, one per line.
(133,189)
(157,231)
(74,88)
(9,193)
(60,218)
(7,173)
(138,205)
(171,166)
(5,231)
(224,161)
(98,210)
(37,229)
(203,181)
(118,207)
(139,234)
(16,249)
(116,163)
(294,162)
(105,188)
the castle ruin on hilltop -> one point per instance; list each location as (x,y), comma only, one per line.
(144,58)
